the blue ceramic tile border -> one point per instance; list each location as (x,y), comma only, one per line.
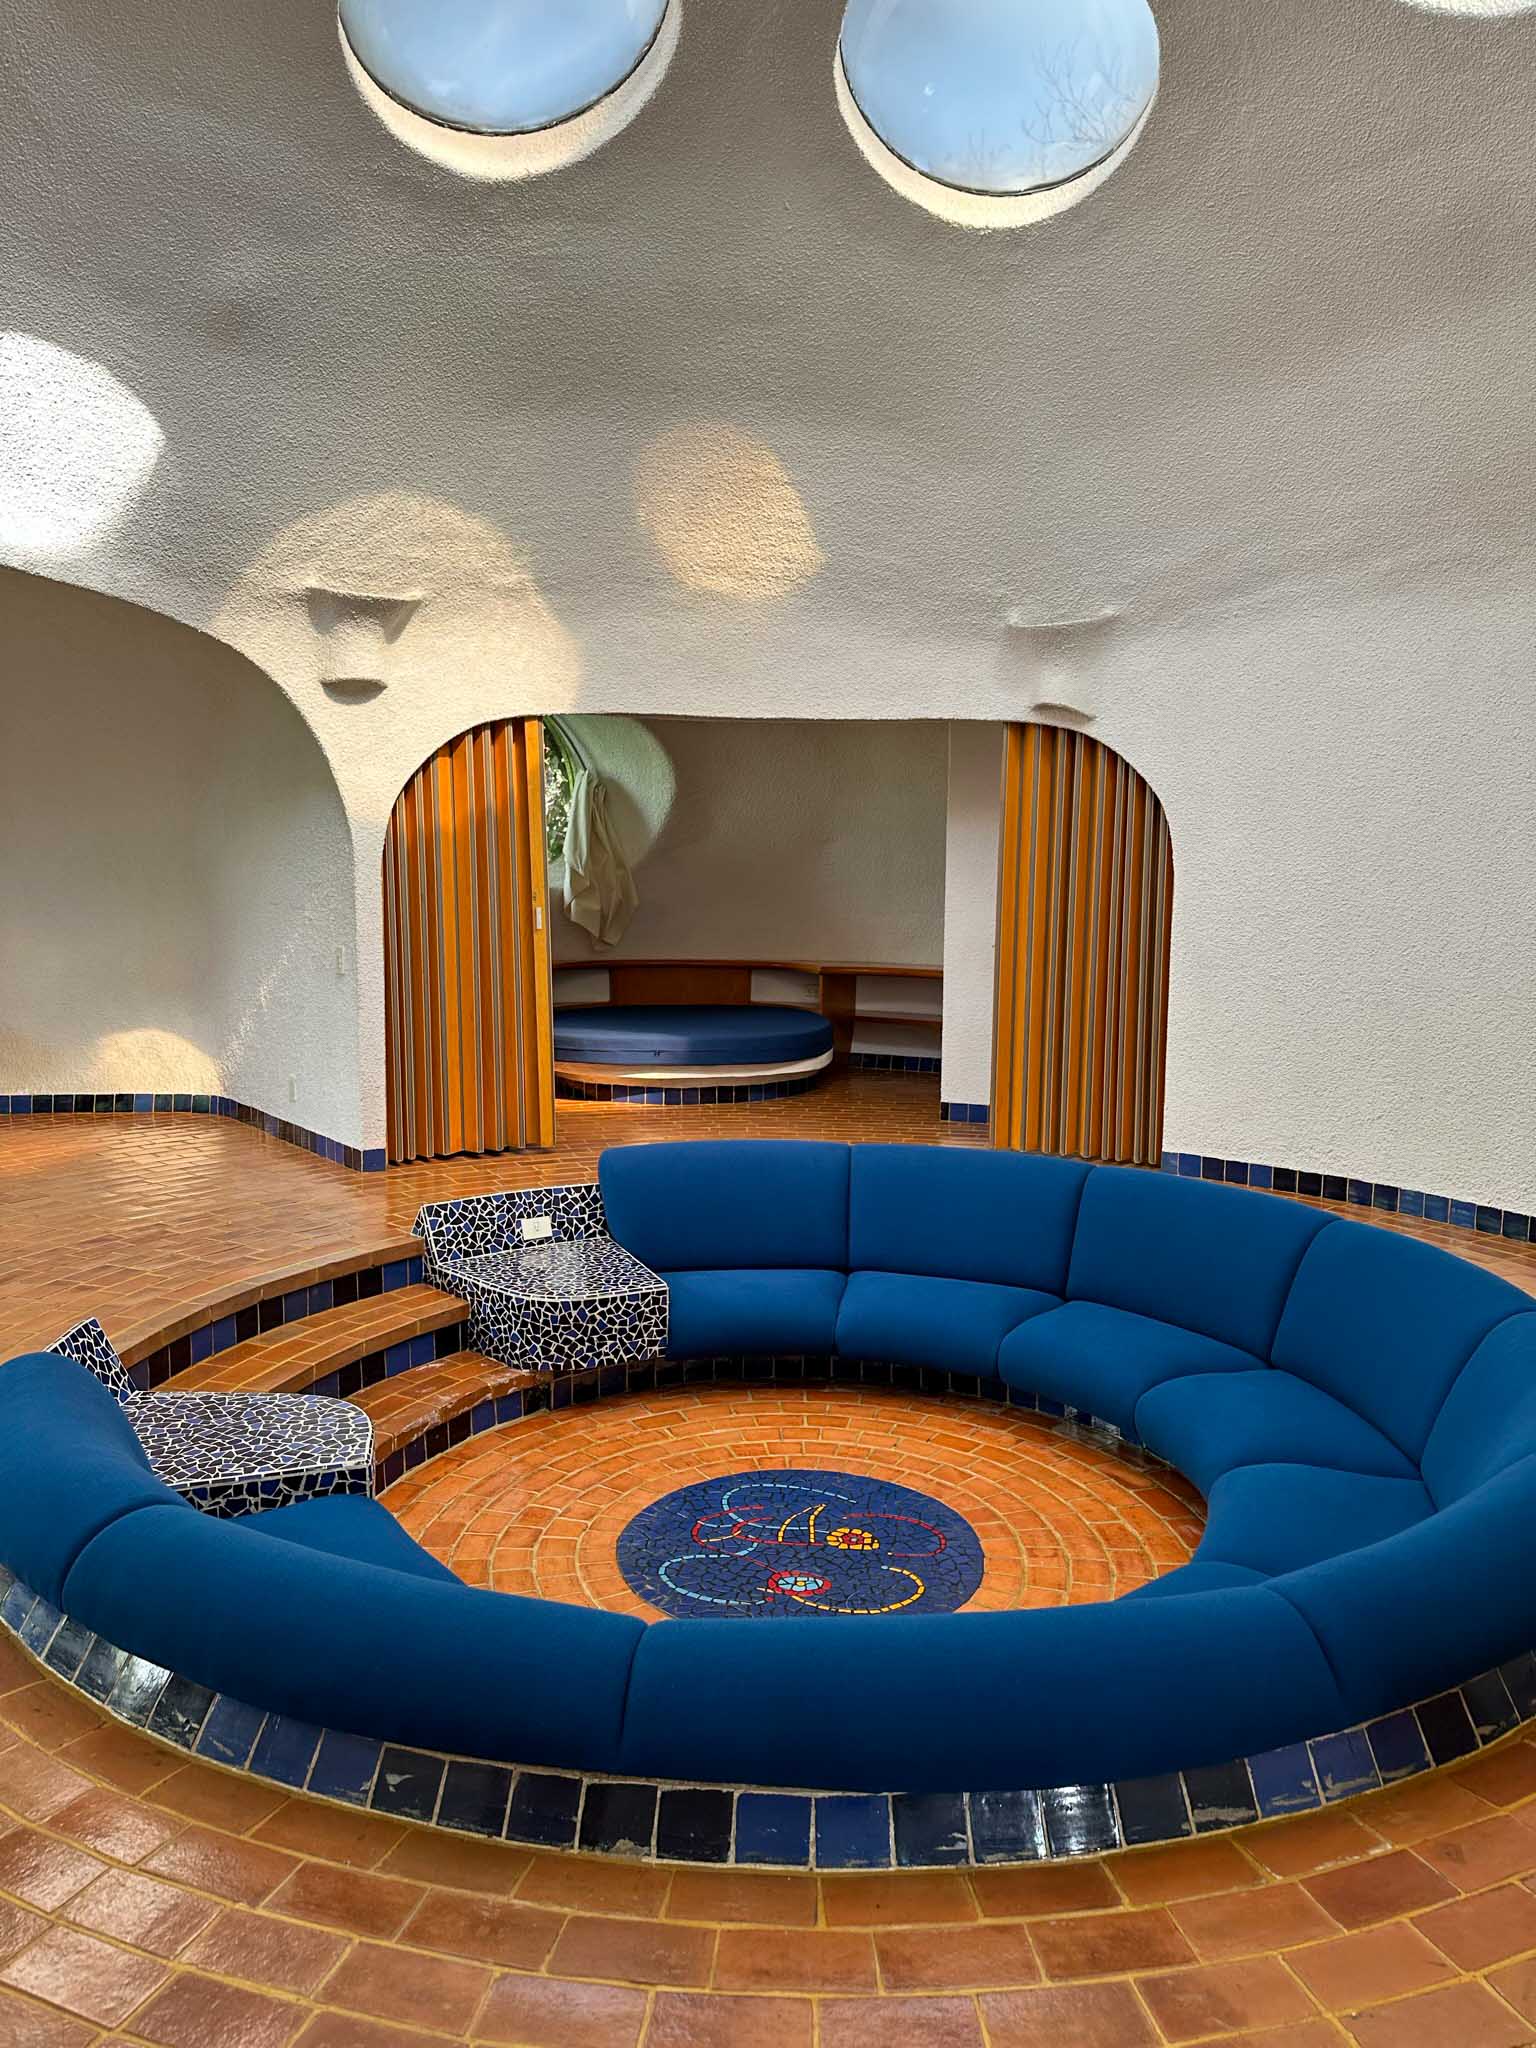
(1387,1198)
(371,1160)
(895,1062)
(685,1098)
(670,1822)
(965,1112)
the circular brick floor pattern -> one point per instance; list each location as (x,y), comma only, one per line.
(538,1507)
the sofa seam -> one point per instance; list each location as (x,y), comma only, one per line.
(1273,1585)
(1327,1224)
(122,1515)
(1077,1218)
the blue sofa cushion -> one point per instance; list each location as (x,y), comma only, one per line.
(955,1325)
(689,1034)
(1488,1419)
(350,1645)
(961,1215)
(1449,1598)
(1198,1576)
(1279,1518)
(350,1525)
(1385,1323)
(1102,1360)
(1064,1696)
(1212,1259)
(70,1464)
(1212,1423)
(717,1314)
(728,1203)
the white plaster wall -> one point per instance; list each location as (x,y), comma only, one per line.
(176,869)
(801,839)
(975,779)
(714,424)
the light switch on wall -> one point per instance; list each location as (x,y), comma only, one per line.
(538,1226)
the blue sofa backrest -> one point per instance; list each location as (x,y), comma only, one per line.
(1212,1259)
(1006,1217)
(70,1464)
(705,1205)
(1488,1419)
(1385,1323)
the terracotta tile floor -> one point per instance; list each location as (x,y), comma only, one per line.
(539,1508)
(147,1900)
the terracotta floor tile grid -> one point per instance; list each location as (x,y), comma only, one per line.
(538,1507)
(408,1404)
(148,1900)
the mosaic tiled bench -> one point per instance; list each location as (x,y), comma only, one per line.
(231,1454)
(559,1302)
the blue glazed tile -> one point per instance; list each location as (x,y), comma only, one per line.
(1447,1728)
(929,1828)
(1079,1820)
(68,1650)
(322,1296)
(1359,1192)
(544,1809)
(102,1668)
(344,1767)
(422,1350)
(1211,1168)
(1220,1796)
(397,1358)
(162,1103)
(853,1831)
(1261,1176)
(1464,1215)
(1436,1209)
(1397,1746)
(1384,1196)
(1344,1764)
(141,1103)
(180,1712)
(1519,1676)
(1285,1180)
(1170,1162)
(693,1824)
(21,1105)
(296,1305)
(482,1417)
(230,1732)
(397,1274)
(416,1267)
(1488,1702)
(1516,1226)
(373,1159)
(1237,1172)
(1489,1221)
(408,1783)
(509,1408)
(1284,1781)
(1335,1187)
(285,1749)
(201,1344)
(17,1605)
(138,1688)
(773,1827)
(1152,1810)
(38,1628)
(224,1333)
(618,1819)
(1410,1201)
(475,1798)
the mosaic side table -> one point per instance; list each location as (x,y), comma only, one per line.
(563,1305)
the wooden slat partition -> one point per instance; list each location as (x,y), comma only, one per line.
(466,951)
(1085,912)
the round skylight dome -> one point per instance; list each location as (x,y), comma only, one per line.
(507,88)
(996,112)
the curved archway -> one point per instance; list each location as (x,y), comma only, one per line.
(467,1005)
(1085,915)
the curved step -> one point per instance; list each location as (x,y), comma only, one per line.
(410,1404)
(294,1356)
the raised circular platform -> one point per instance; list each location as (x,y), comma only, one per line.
(653,1052)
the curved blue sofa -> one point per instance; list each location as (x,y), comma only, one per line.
(1359,1407)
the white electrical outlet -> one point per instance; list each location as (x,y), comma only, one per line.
(538,1226)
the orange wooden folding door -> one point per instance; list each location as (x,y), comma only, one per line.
(466,950)
(1085,911)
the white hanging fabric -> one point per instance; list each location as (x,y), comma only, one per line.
(600,892)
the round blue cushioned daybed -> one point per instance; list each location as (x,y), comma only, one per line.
(1359,1408)
(675,1045)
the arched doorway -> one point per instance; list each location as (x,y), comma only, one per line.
(466,950)
(1085,911)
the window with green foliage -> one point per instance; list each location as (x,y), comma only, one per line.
(560,770)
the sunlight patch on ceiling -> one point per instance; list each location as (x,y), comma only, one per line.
(511,91)
(1489,9)
(991,114)
(723,514)
(76,449)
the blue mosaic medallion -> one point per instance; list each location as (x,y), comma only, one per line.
(769,1544)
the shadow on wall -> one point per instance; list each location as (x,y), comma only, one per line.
(182,885)
(723,514)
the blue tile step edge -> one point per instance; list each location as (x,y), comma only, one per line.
(752,1827)
(684,1098)
(273,1311)
(1386,1197)
(895,1062)
(137,1103)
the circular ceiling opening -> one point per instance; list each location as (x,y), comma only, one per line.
(996,113)
(510,89)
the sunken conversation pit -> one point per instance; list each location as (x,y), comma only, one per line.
(1358,1408)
